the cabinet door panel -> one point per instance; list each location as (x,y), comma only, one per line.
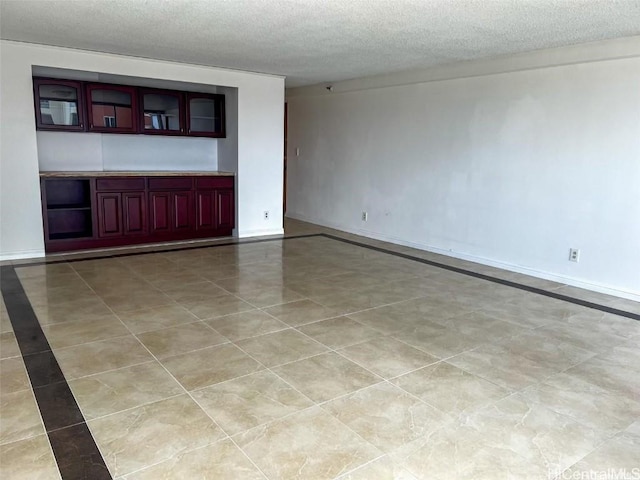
(59,104)
(109,214)
(205,210)
(160,212)
(225,217)
(135,213)
(182,210)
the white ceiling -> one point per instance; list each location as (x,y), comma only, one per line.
(315,41)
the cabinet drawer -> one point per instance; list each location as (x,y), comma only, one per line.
(120,184)
(214,182)
(171,183)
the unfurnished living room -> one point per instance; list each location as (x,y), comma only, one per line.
(320,239)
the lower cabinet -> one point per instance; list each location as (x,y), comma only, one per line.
(132,210)
(171,212)
(214,209)
(121,214)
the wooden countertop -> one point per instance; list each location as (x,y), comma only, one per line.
(173,173)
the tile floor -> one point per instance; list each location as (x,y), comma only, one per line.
(312,358)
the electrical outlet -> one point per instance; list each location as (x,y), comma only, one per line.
(574,254)
(365,215)
(266,214)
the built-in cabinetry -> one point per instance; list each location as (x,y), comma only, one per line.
(100,211)
(64,104)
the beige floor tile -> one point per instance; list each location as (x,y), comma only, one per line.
(380,469)
(135,300)
(167,278)
(310,445)
(457,451)
(388,357)
(181,339)
(8,345)
(535,311)
(91,358)
(117,390)
(13,376)
(582,336)
(339,332)
(501,366)
(544,349)
(59,296)
(482,326)
(5,321)
(611,374)
(399,317)
(281,347)
(589,404)
(155,318)
(619,454)
(267,297)
(219,306)
(386,416)
(249,401)
(326,376)
(301,312)
(67,334)
(450,389)
(246,324)
(87,309)
(210,366)
(192,294)
(19,416)
(442,343)
(541,436)
(221,460)
(44,270)
(28,459)
(146,435)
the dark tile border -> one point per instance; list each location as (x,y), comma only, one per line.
(489,278)
(58,407)
(73,445)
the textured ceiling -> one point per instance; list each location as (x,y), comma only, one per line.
(315,41)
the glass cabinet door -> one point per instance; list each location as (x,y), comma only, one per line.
(112,108)
(205,115)
(162,112)
(58,105)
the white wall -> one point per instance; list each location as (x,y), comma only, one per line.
(97,152)
(259,136)
(508,169)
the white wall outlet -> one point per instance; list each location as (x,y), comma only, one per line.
(297,152)
(365,216)
(574,254)
(266,214)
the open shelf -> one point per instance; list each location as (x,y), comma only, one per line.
(68,207)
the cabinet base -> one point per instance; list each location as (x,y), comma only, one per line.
(69,245)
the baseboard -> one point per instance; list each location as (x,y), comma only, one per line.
(261,233)
(22,255)
(595,287)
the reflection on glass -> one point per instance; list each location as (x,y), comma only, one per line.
(111,109)
(204,115)
(58,105)
(161,112)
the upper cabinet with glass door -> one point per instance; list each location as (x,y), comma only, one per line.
(59,104)
(205,115)
(111,108)
(162,112)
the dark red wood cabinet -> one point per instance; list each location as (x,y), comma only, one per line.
(59,105)
(112,108)
(76,106)
(84,212)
